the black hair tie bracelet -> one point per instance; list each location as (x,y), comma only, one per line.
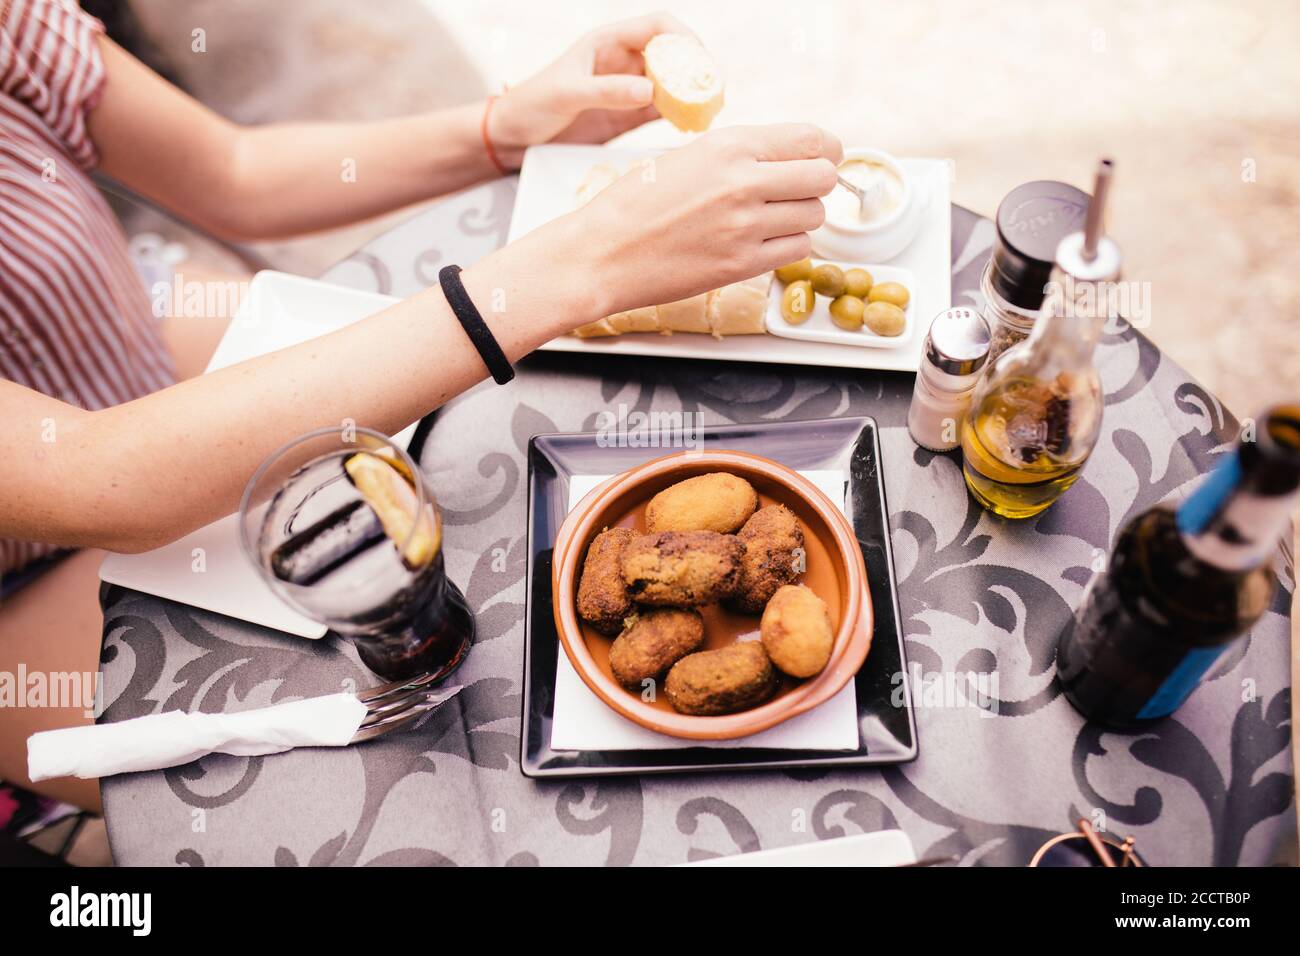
(474,326)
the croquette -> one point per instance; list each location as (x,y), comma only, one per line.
(603,600)
(654,640)
(731,678)
(714,502)
(796,631)
(682,568)
(774,556)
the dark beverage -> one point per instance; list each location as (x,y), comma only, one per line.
(434,638)
(352,539)
(1182,584)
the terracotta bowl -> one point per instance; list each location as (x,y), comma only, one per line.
(834,571)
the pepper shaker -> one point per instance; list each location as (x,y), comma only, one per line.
(955,352)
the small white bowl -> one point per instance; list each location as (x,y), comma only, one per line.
(881,239)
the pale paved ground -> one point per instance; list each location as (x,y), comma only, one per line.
(1197,102)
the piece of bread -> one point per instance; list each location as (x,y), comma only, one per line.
(736,309)
(740,308)
(595,329)
(635,320)
(688,90)
(686,315)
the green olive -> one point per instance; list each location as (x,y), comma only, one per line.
(795,271)
(797,301)
(892,292)
(885,318)
(846,312)
(828,280)
(857,282)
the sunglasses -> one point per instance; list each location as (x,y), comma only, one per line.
(1086,847)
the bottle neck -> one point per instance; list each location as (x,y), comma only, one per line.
(1072,318)
(1233,520)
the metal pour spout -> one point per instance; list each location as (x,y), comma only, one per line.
(1093,224)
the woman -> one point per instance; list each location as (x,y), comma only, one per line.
(104,449)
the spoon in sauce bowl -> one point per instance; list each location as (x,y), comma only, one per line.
(857,191)
(872,194)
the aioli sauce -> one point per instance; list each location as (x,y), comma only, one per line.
(883,188)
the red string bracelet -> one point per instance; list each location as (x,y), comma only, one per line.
(487,140)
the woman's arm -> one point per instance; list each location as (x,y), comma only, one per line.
(264,182)
(260,182)
(733,204)
(137,475)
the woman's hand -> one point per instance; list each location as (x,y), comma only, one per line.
(595,91)
(734,203)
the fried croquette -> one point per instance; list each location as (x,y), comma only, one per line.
(714,502)
(796,631)
(731,678)
(682,568)
(773,556)
(603,600)
(654,641)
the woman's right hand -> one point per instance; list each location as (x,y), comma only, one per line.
(734,203)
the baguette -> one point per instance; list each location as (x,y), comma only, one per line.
(736,309)
(740,308)
(688,90)
(686,315)
(597,329)
(644,319)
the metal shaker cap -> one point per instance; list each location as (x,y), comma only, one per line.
(958,341)
(1032,220)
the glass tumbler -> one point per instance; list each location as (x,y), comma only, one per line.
(342,526)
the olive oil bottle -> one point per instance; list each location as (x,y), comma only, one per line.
(1183,583)
(1036,415)
(1016,445)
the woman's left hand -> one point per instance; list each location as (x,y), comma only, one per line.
(595,91)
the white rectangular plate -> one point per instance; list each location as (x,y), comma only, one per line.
(280,310)
(548,184)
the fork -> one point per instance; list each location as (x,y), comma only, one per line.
(399,704)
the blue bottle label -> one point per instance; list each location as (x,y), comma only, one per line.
(1204,503)
(1180,683)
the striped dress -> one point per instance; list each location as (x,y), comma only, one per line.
(75,317)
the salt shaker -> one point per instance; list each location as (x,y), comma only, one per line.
(955,352)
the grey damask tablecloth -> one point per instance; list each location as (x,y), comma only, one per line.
(1214,784)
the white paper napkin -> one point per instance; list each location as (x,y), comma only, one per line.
(173,738)
(582,721)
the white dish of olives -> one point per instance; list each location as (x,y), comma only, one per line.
(842,303)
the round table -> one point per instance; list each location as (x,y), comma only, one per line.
(1212,784)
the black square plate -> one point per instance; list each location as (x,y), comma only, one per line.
(886,727)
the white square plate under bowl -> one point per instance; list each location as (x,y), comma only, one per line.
(818,327)
(548,186)
(208,569)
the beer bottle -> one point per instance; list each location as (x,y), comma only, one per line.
(1183,583)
